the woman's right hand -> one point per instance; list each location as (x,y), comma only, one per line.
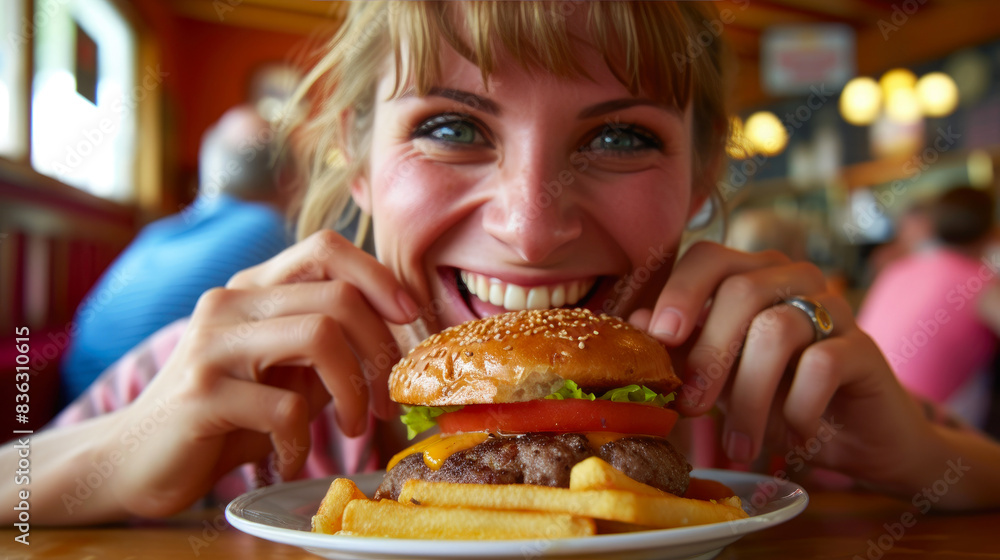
(259,359)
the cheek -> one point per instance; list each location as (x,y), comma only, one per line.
(414,202)
(648,219)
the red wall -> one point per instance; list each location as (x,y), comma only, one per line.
(209,66)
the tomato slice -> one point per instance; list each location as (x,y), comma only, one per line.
(568,415)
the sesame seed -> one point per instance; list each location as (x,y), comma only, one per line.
(582,345)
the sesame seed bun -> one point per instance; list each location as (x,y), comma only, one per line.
(526,355)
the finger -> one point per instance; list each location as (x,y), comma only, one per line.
(695,278)
(369,337)
(837,363)
(302,380)
(315,340)
(326,255)
(776,336)
(640,319)
(269,410)
(719,344)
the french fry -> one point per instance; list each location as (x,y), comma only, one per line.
(596,474)
(328,518)
(394,520)
(614,505)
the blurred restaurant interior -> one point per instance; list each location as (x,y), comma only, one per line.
(847,113)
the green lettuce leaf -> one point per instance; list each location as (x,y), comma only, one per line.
(637,394)
(421,418)
(570,390)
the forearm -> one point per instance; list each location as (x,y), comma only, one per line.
(949,469)
(68,482)
(962,473)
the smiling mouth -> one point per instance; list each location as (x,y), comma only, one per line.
(480,291)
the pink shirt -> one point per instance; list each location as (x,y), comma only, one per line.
(331,453)
(921,311)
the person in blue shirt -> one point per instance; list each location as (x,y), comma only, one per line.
(235,222)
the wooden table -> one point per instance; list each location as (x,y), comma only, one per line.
(835,525)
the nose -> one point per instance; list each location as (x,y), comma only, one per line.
(532,210)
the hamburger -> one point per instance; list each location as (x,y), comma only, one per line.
(522,397)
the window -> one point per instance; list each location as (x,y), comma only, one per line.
(13,106)
(83,105)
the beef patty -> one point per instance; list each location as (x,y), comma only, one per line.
(545,459)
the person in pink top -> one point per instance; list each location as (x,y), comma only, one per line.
(923,311)
(546,147)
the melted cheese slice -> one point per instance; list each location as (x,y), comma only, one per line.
(438,448)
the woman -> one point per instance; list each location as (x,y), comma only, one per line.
(553,147)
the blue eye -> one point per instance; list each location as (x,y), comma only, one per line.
(622,140)
(450,128)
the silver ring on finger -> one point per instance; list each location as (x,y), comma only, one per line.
(820,317)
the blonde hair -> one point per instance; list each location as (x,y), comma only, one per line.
(651,47)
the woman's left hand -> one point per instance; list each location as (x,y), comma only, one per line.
(736,343)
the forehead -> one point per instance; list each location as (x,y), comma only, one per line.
(548,39)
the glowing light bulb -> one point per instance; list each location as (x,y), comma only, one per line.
(895,80)
(860,101)
(902,106)
(937,94)
(766,133)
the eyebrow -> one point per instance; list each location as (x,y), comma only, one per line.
(467,98)
(481,103)
(619,104)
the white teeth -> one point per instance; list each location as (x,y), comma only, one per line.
(496,293)
(514,297)
(573,292)
(558,296)
(482,284)
(538,298)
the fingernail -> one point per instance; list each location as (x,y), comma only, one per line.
(667,323)
(739,447)
(407,304)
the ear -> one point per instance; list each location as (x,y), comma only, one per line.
(360,191)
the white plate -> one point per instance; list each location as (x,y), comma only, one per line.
(282,514)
